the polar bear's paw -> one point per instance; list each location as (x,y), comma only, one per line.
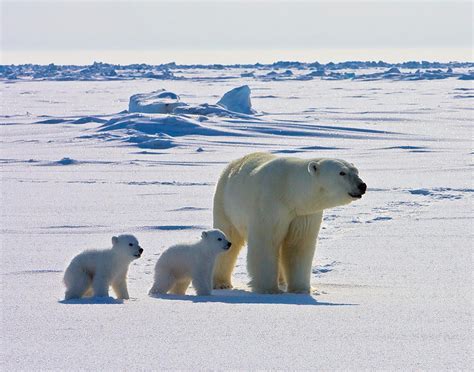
(222,285)
(268,290)
(299,290)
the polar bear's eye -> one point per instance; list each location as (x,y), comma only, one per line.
(220,239)
(130,244)
(342,173)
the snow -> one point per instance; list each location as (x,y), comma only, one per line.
(392,274)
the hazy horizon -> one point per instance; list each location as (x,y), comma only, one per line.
(239,31)
(228,57)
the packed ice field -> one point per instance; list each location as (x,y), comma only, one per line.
(86,158)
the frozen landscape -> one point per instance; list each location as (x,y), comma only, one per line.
(88,152)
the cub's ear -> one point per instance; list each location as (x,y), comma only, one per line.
(114,240)
(313,167)
(204,235)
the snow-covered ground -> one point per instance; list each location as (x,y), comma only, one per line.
(392,272)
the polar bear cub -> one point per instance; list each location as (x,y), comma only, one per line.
(183,263)
(93,272)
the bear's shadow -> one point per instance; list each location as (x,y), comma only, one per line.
(240,296)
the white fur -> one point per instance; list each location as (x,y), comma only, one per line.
(183,263)
(276,205)
(93,272)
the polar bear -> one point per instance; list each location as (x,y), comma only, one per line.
(276,204)
(92,272)
(183,263)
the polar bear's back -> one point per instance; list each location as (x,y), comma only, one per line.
(88,261)
(239,179)
(180,259)
(247,183)
(248,164)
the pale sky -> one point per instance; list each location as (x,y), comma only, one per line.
(236,31)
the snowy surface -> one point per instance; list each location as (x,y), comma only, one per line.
(392,274)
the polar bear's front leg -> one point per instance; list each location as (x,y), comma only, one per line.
(298,252)
(120,288)
(202,281)
(100,286)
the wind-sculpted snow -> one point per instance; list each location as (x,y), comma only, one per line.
(278,71)
(162,127)
(172,125)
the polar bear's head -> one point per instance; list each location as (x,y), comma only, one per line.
(216,240)
(127,246)
(334,182)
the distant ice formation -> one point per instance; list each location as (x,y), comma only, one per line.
(278,71)
(232,104)
(237,100)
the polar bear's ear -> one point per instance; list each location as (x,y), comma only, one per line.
(313,167)
(204,235)
(114,240)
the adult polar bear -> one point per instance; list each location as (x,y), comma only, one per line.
(276,204)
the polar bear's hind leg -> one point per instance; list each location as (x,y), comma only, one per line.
(164,281)
(180,287)
(78,285)
(225,262)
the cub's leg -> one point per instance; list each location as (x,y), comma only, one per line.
(180,286)
(163,282)
(100,285)
(120,288)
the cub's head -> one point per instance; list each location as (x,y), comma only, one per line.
(216,240)
(127,245)
(336,181)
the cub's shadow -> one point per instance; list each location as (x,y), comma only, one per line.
(92,301)
(240,296)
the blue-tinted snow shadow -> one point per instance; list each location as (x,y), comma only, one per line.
(92,301)
(239,296)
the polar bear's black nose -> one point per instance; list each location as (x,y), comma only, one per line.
(362,187)
(229,244)
(140,250)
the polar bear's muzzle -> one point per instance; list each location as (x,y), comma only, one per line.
(139,254)
(227,247)
(361,189)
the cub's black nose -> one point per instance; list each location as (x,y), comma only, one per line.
(362,188)
(229,244)
(140,250)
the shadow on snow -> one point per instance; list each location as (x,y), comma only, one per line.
(239,296)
